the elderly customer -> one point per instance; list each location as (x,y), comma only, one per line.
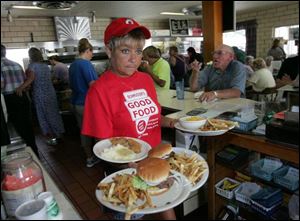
(248,65)
(157,67)
(44,98)
(14,87)
(225,78)
(262,77)
(115,103)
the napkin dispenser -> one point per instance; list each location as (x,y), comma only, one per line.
(284,131)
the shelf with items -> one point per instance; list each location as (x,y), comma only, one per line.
(252,143)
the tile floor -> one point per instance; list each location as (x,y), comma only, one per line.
(65,163)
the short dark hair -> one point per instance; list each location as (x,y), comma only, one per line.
(191,50)
(3,51)
(54,57)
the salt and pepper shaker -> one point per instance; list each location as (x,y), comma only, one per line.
(53,211)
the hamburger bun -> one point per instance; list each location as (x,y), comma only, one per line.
(160,150)
(153,170)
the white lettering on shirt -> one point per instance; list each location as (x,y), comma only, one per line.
(141,107)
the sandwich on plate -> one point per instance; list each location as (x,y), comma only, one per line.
(162,150)
(152,174)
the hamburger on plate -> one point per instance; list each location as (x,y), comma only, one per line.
(153,176)
(162,150)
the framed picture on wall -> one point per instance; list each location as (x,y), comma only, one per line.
(179,27)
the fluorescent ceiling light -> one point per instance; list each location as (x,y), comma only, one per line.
(32,7)
(172,13)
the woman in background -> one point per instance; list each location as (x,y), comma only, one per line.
(44,98)
(277,51)
(81,76)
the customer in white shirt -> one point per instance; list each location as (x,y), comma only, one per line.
(262,77)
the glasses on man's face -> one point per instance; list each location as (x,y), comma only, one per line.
(219,52)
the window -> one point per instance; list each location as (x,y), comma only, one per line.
(235,38)
(18,55)
(289,34)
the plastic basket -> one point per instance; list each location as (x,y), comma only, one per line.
(246,126)
(226,193)
(266,211)
(267,197)
(290,182)
(252,188)
(257,169)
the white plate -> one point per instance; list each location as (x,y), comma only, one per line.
(177,193)
(103,144)
(202,133)
(204,177)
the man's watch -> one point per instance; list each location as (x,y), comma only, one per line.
(216,94)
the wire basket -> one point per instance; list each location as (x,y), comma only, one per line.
(287,177)
(226,193)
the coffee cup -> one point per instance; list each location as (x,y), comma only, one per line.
(32,210)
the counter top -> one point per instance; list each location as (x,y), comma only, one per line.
(68,210)
(167,99)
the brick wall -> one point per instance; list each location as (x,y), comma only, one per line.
(269,18)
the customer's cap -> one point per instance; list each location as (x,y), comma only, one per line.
(122,26)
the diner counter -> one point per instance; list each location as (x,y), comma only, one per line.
(167,99)
(68,210)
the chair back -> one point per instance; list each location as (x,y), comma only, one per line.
(268,94)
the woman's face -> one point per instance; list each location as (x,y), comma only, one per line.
(126,58)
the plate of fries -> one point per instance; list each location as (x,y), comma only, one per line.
(114,150)
(192,165)
(117,193)
(213,127)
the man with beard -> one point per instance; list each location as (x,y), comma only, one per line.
(225,78)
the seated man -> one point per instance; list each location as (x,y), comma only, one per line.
(288,71)
(225,78)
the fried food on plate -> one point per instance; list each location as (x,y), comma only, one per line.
(126,142)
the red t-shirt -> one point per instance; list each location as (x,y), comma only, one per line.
(123,106)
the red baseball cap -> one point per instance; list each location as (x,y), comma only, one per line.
(122,26)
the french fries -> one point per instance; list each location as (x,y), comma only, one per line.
(190,166)
(120,191)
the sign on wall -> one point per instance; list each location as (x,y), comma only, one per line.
(179,27)
(72,28)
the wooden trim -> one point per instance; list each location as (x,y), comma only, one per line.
(212,27)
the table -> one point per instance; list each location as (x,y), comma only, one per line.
(167,99)
(281,90)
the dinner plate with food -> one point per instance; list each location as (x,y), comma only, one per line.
(211,127)
(152,187)
(187,162)
(121,149)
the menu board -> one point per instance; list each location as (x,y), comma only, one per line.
(179,27)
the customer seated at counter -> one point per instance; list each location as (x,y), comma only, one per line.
(225,78)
